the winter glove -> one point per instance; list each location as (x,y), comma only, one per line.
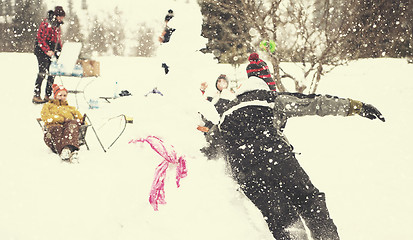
(365,110)
(202,129)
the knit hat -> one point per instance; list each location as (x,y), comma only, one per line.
(56,89)
(253,56)
(58,11)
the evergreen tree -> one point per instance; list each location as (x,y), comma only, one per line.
(115,33)
(28,16)
(145,44)
(97,41)
(225,27)
(6,26)
(72,26)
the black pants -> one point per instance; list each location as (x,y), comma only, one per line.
(44,65)
(271,177)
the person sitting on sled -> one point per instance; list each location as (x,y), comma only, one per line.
(263,162)
(62,124)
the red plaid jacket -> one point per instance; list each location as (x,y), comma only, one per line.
(48,36)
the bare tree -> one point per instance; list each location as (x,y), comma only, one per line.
(266,20)
(317,29)
(308,33)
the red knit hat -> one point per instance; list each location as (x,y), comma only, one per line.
(57,89)
(253,56)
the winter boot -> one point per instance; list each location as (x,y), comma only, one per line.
(74,158)
(46,98)
(37,100)
(66,154)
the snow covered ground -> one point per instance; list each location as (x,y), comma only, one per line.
(363,166)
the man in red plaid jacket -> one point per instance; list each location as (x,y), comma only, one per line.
(48,44)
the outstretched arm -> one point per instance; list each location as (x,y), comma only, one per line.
(296,104)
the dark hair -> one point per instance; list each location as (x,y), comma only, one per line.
(50,15)
(169,16)
(222,76)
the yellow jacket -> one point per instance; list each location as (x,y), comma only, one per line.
(57,112)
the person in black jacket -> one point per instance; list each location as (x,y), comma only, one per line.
(263,162)
(48,44)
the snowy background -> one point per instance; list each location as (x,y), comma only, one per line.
(363,166)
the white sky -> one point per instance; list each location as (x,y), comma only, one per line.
(134,10)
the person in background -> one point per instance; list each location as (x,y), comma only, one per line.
(224,95)
(62,124)
(223,92)
(167,32)
(48,44)
(166,35)
(258,68)
(164,38)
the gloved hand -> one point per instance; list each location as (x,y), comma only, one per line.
(365,110)
(370,112)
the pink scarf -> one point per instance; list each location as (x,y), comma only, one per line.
(157,194)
